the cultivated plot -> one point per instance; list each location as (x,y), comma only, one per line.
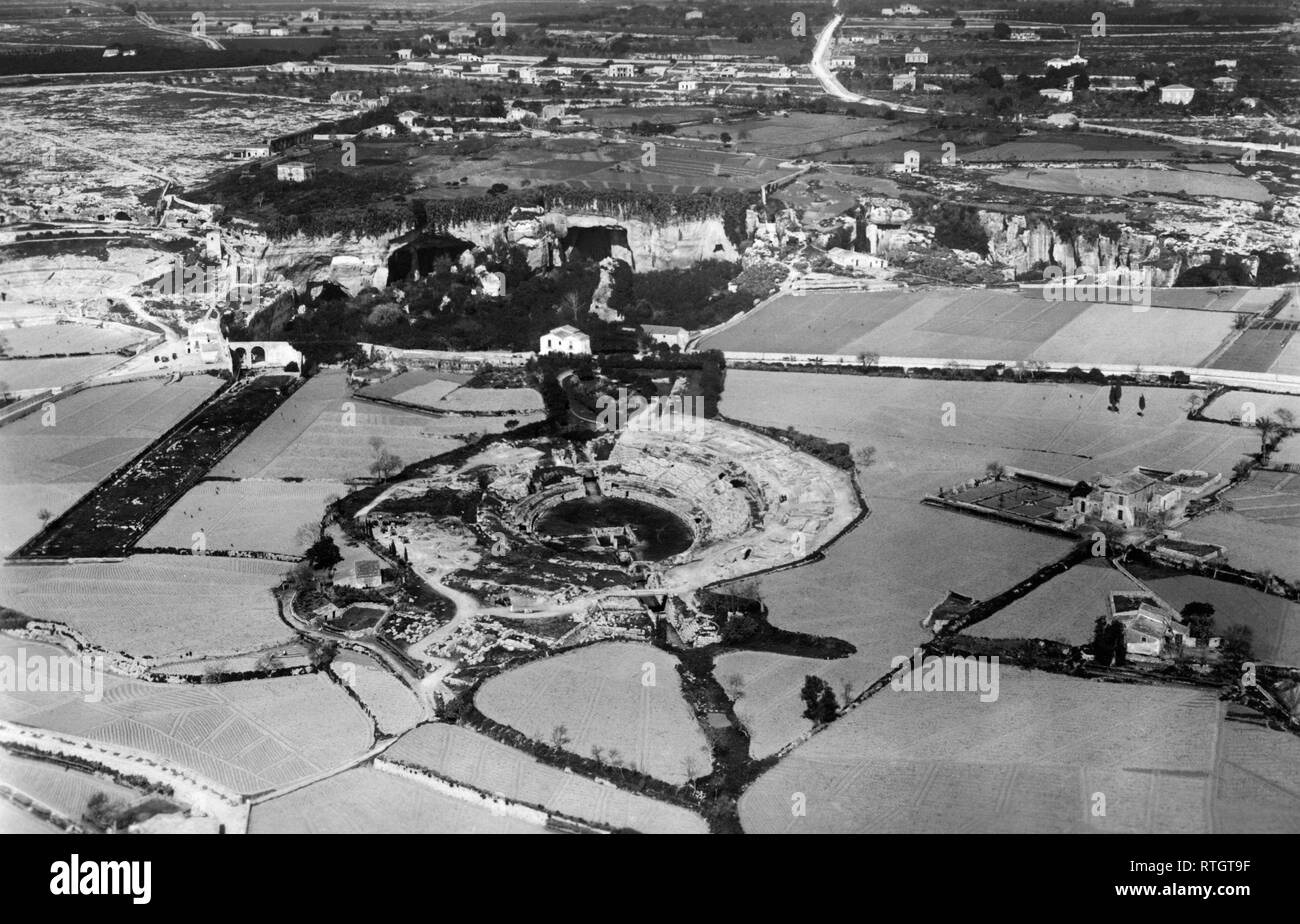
(160,605)
(249,737)
(55,455)
(322,432)
(467,757)
(391,702)
(369,801)
(51,339)
(1031,761)
(63,789)
(17,375)
(252,515)
(620,697)
(1257,777)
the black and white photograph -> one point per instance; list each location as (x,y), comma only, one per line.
(650,416)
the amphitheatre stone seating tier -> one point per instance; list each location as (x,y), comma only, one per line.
(529,510)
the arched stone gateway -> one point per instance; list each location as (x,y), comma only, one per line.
(259,355)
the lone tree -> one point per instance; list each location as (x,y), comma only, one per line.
(995,470)
(1142,404)
(865,457)
(1103,652)
(320,652)
(44,515)
(818,699)
(386,464)
(324,553)
(1199,617)
(1115,636)
(1116,393)
(560,737)
(1267,427)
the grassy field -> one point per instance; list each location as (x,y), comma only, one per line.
(1028,762)
(93,432)
(160,605)
(1274,621)
(598,694)
(1072,148)
(248,736)
(1261,351)
(975,324)
(322,432)
(368,801)
(49,339)
(261,516)
(476,760)
(1062,610)
(15,820)
(878,582)
(1286,361)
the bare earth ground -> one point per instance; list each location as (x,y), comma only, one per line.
(476,760)
(598,694)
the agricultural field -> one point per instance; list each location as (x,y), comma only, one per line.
(445,391)
(1258,785)
(997,326)
(1252,544)
(158,605)
(1258,404)
(1268,497)
(64,790)
(57,372)
(248,736)
(251,515)
(324,433)
(467,757)
(598,694)
(1143,182)
(1073,148)
(804,134)
(1062,610)
(1260,350)
(390,701)
(94,432)
(53,339)
(915,554)
(15,820)
(1027,762)
(368,801)
(1274,621)
(1287,358)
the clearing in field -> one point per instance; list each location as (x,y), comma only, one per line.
(1243,406)
(468,757)
(623,698)
(368,801)
(257,516)
(1027,762)
(159,605)
(324,433)
(249,736)
(52,457)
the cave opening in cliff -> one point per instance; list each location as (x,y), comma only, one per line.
(423,255)
(596,243)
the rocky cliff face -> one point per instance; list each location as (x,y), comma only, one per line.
(349,261)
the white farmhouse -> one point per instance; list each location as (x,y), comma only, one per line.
(565,339)
(1178,94)
(916,56)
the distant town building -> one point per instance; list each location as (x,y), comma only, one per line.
(462,35)
(383,130)
(621,70)
(468,57)
(253,151)
(1178,94)
(693,15)
(1025,35)
(916,56)
(667,334)
(843,62)
(687,86)
(295,171)
(345,96)
(1057,96)
(565,339)
(240,28)
(905,81)
(311,14)
(1225,84)
(911,162)
(1229,63)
